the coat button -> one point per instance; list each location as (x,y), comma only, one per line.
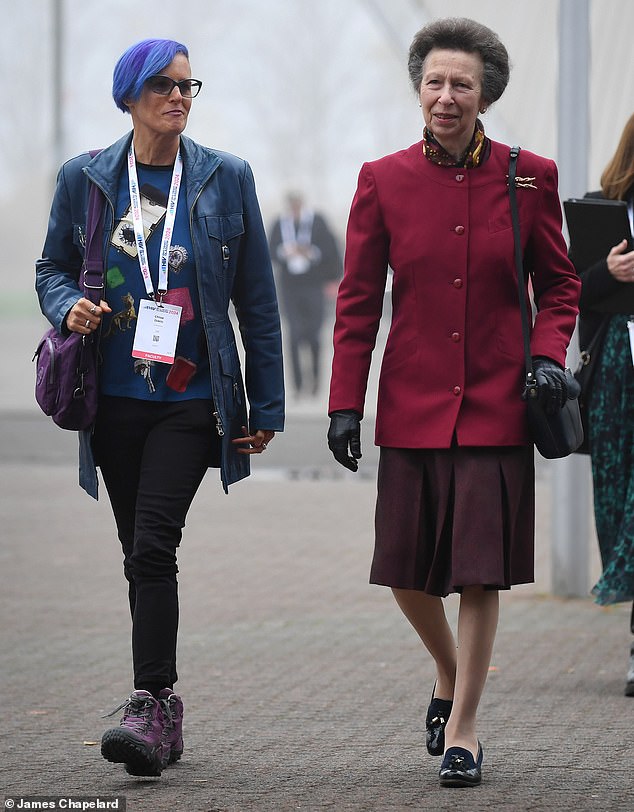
(457,390)
(459,229)
(457,283)
(459,178)
(455,337)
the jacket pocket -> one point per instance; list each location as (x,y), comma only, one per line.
(224,231)
(508,335)
(231,376)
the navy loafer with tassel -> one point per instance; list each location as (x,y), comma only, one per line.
(460,769)
(437,717)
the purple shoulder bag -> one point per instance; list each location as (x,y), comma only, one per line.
(66,377)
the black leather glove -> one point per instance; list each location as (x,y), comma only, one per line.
(345,433)
(552,387)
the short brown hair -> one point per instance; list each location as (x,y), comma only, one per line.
(618,176)
(462,34)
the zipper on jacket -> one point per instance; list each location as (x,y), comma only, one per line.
(226,256)
(219,426)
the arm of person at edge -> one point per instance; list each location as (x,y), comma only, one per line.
(604,277)
(359,310)
(256,307)
(620,262)
(58,270)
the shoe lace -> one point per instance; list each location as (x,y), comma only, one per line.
(137,712)
(168,712)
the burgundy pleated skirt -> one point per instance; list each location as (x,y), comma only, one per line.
(456,517)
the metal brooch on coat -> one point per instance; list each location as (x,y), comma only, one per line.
(523,183)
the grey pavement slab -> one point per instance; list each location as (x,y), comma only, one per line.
(304,687)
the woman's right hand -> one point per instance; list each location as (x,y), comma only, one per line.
(84,316)
(621,264)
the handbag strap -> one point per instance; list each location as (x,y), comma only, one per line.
(91,280)
(531,383)
(595,342)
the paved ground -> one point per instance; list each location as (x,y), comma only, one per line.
(304,686)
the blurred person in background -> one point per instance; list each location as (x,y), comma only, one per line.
(610,423)
(183,227)
(308,262)
(455,503)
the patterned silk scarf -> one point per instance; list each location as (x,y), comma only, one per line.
(437,154)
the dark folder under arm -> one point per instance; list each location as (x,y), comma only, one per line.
(595,226)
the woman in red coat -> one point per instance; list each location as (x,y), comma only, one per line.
(455,505)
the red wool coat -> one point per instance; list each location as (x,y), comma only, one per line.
(454,360)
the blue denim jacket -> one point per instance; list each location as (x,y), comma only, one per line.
(232,264)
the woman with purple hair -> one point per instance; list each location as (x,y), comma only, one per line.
(183,236)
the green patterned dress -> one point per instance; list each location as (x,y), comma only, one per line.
(611,434)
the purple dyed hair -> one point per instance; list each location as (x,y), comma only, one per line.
(138,63)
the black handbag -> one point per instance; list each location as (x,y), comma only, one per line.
(555,435)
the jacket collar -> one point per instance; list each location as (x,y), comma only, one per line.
(199,163)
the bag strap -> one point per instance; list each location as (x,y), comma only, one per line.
(595,342)
(91,280)
(531,383)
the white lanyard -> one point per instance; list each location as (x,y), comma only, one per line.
(168,228)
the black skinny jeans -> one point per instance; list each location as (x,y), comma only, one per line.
(153,457)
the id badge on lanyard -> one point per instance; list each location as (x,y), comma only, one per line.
(157,326)
(156,331)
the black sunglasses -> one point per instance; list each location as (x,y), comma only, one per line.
(163,85)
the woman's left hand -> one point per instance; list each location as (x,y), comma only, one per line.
(552,387)
(255,443)
(620,262)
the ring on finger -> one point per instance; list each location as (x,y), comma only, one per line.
(87,323)
(263,446)
(93,309)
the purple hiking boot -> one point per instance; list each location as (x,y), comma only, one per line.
(138,741)
(172,707)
